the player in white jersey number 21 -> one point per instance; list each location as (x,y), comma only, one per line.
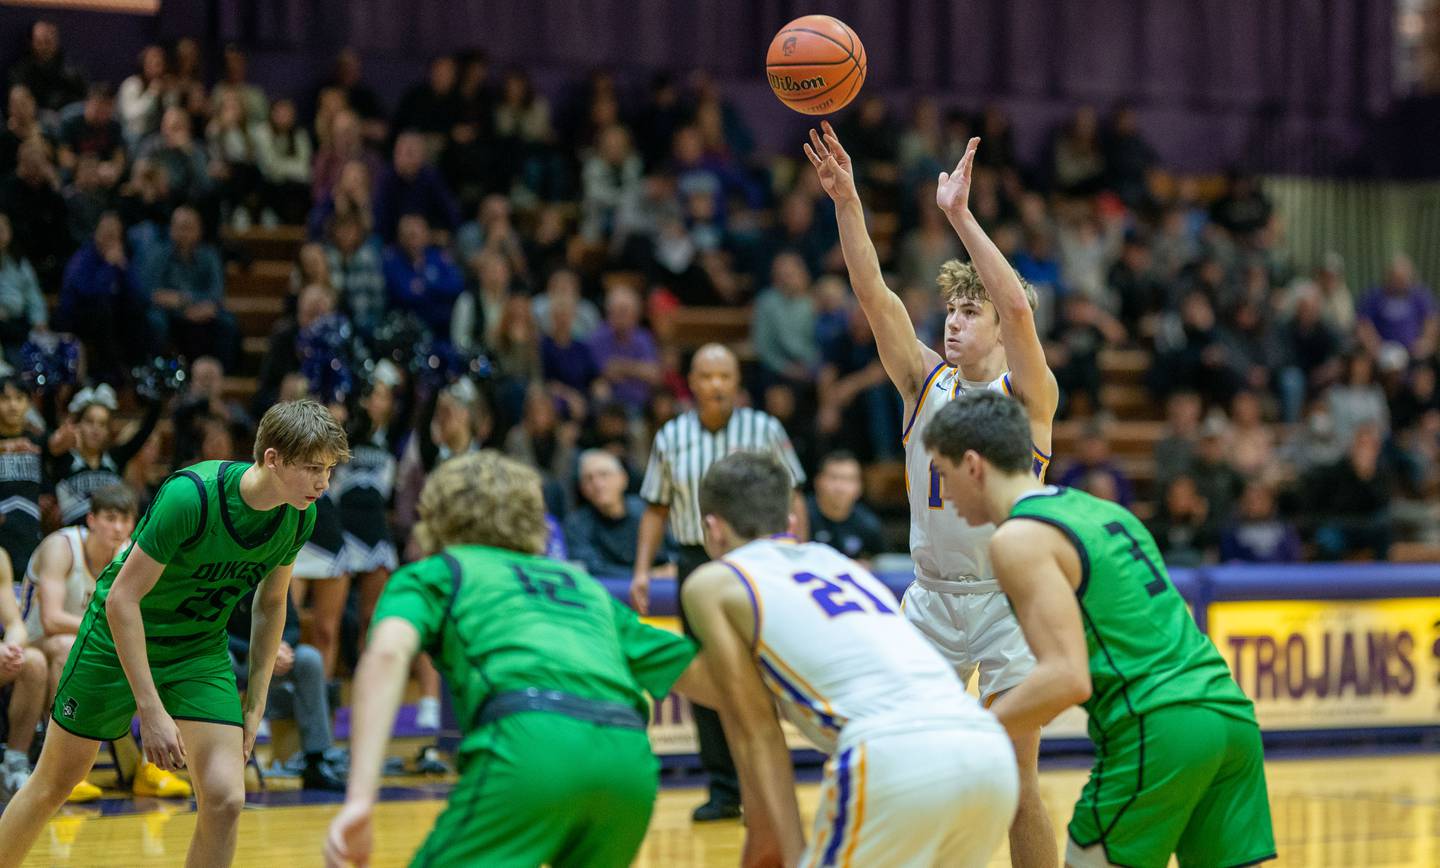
(919,773)
(990,343)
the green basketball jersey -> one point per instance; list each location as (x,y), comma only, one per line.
(1146,652)
(215,550)
(495,620)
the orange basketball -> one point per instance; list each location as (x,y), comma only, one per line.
(816,64)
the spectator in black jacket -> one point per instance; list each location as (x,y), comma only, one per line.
(44,71)
(837,517)
(1352,499)
(602,533)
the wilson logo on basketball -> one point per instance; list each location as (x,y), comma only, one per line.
(791,85)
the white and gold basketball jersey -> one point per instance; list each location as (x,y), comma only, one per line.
(79,584)
(942,545)
(834,649)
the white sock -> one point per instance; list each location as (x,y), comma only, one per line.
(427,713)
(16,756)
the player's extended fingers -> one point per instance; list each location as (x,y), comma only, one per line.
(810,153)
(834,140)
(818,144)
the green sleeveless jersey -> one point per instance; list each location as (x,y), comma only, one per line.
(215,550)
(495,620)
(1145,650)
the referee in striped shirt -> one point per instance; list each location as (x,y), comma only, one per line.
(683,451)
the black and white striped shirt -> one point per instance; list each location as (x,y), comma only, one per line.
(684,450)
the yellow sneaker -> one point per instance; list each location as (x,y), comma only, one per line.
(84,792)
(155,782)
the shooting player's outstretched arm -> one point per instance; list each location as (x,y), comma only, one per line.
(906,360)
(1030,375)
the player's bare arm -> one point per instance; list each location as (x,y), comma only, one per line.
(52,563)
(720,615)
(12,626)
(1030,375)
(159,735)
(267,626)
(384,669)
(649,538)
(1039,570)
(906,360)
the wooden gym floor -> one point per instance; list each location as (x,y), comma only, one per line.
(1347,810)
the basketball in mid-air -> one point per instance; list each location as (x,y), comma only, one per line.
(816,64)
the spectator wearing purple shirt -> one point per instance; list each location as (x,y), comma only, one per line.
(421,277)
(1401,311)
(413,187)
(1259,536)
(564,360)
(625,350)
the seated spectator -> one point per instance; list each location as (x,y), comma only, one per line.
(1217,480)
(564,287)
(23,673)
(298,689)
(22,124)
(186,286)
(1258,535)
(1129,158)
(282,356)
(836,515)
(86,198)
(348,78)
(1134,282)
(610,178)
(1336,299)
(625,350)
(1184,528)
(186,163)
(1244,209)
(356,271)
(95,133)
(312,266)
(1357,400)
(282,150)
(413,186)
(1193,354)
(186,82)
(475,324)
(22,308)
(802,231)
(420,276)
(45,73)
(1351,500)
(346,143)
(523,128)
(565,361)
(1173,452)
(351,196)
(1081,331)
(205,401)
(1310,348)
(141,96)
(931,244)
(432,106)
(101,303)
(38,219)
(145,206)
(782,325)
(858,408)
(1093,459)
(1400,311)
(492,229)
(234,162)
(1077,165)
(252,98)
(516,356)
(546,442)
(602,533)
(1417,398)
(1252,440)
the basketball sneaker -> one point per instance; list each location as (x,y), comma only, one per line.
(84,792)
(156,783)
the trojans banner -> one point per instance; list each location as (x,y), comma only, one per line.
(1334,664)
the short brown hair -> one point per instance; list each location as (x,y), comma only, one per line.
(751,491)
(115,498)
(959,281)
(482,499)
(301,431)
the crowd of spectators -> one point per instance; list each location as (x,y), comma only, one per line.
(557,233)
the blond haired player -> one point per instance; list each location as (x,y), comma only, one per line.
(919,773)
(990,343)
(153,637)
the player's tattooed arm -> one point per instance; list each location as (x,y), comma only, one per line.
(719,613)
(1030,374)
(1039,570)
(905,359)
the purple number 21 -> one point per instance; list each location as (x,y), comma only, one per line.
(831,596)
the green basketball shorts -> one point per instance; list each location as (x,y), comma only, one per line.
(1186,780)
